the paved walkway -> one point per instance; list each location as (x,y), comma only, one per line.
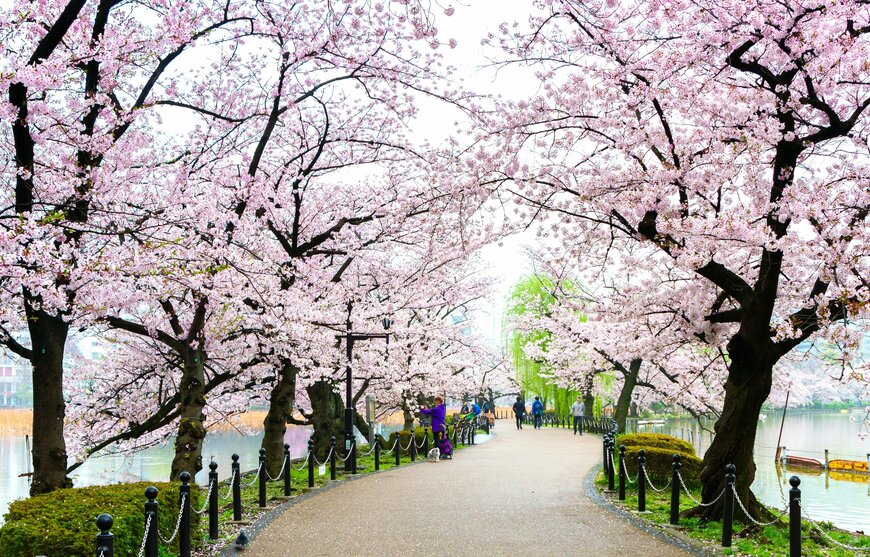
(520,494)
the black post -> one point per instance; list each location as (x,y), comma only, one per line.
(397,450)
(310,463)
(151,507)
(353,456)
(184,528)
(794,517)
(349,465)
(610,467)
(413,448)
(213,501)
(105,539)
(332,456)
(473,431)
(641,480)
(728,511)
(622,472)
(675,489)
(236,481)
(425,441)
(288,484)
(377,451)
(261,478)
(604,453)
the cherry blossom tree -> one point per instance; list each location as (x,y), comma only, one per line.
(729,138)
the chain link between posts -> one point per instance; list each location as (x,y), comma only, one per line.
(280,473)
(256,477)
(177,523)
(350,452)
(649,481)
(828,537)
(230,489)
(396,442)
(689,493)
(145,537)
(303,465)
(207,497)
(749,516)
(627,477)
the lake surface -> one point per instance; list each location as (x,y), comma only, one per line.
(846,503)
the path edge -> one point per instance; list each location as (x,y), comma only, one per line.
(653,529)
(269,516)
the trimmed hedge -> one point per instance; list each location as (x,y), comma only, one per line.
(655,440)
(405,435)
(659,464)
(62,523)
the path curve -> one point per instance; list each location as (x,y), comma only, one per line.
(521,493)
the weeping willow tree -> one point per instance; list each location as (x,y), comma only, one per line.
(535,295)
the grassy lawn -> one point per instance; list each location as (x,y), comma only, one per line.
(769,541)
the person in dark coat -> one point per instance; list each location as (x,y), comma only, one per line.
(519,412)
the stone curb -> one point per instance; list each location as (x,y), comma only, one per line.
(662,533)
(269,516)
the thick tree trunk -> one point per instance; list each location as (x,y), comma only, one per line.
(327,417)
(191,429)
(589,405)
(624,401)
(748,386)
(632,413)
(48,338)
(281,401)
(408,416)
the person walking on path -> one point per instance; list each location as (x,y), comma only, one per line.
(519,412)
(464,409)
(577,411)
(476,409)
(538,412)
(438,414)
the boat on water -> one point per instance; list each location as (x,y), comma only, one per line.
(803,462)
(651,422)
(849,466)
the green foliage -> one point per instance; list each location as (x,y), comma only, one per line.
(404,437)
(63,522)
(659,464)
(534,295)
(655,440)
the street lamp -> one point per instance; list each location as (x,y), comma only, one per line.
(350,337)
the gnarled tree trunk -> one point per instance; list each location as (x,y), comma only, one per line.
(191,429)
(327,417)
(748,386)
(624,401)
(281,401)
(48,336)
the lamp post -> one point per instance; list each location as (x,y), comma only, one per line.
(350,338)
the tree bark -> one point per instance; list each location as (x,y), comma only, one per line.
(281,402)
(589,405)
(624,401)
(48,335)
(191,428)
(750,377)
(408,416)
(327,417)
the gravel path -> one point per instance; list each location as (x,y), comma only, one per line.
(519,494)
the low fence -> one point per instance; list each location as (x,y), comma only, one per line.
(792,506)
(463,434)
(592,425)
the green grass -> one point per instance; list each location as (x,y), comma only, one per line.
(770,541)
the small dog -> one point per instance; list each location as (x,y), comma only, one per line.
(434,455)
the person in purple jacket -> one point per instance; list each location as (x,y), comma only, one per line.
(438,414)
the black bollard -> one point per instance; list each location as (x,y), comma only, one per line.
(425,441)
(261,479)
(151,507)
(310,463)
(622,472)
(604,453)
(728,511)
(473,432)
(184,527)
(675,489)
(377,451)
(610,467)
(288,484)
(353,456)
(794,517)
(236,482)
(641,481)
(213,501)
(332,457)
(397,450)
(413,448)
(105,539)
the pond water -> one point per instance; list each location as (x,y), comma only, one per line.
(841,499)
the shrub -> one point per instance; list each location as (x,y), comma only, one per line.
(656,440)
(62,523)
(659,464)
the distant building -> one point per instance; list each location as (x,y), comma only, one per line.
(16,388)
